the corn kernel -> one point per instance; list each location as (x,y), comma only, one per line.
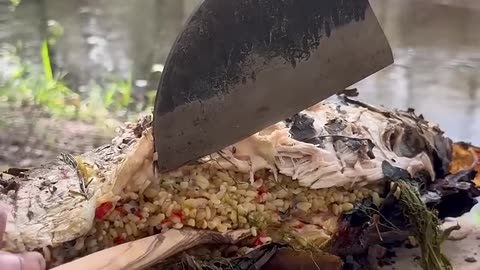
(304,206)
(133,218)
(201,181)
(260,207)
(336,209)
(223,176)
(338,197)
(113,232)
(201,215)
(241,210)
(214,212)
(208,213)
(191,222)
(177,226)
(233,217)
(243,186)
(162,200)
(193,213)
(278,203)
(347,207)
(215,200)
(253,231)
(118,224)
(169,210)
(249,207)
(242,220)
(150,193)
(222,228)
(376,199)
(282,194)
(212,224)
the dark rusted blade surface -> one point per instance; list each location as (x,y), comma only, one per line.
(242,65)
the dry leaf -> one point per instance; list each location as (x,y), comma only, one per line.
(463,158)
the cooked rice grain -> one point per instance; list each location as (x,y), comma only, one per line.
(207,198)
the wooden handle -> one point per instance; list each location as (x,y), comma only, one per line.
(145,252)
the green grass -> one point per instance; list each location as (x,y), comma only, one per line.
(41,90)
(46,91)
(47,67)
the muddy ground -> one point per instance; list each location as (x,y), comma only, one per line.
(29,138)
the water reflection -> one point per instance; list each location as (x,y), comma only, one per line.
(436,48)
(437,63)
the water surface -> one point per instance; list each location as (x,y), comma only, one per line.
(436,47)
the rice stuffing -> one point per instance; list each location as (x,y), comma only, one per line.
(294,178)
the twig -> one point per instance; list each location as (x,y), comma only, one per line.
(70,160)
(375,221)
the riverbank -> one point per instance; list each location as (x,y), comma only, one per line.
(29,138)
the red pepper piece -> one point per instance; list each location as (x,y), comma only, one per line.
(178,214)
(258,242)
(139,214)
(262,190)
(118,240)
(166,223)
(103,210)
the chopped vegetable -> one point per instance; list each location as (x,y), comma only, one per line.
(103,210)
(118,240)
(261,238)
(178,214)
(138,213)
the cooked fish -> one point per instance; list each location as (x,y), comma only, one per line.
(301,173)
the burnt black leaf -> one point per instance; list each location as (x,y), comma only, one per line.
(394,173)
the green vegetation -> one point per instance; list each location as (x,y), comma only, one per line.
(14,4)
(29,87)
(41,90)
(426,226)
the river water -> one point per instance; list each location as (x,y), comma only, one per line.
(436,47)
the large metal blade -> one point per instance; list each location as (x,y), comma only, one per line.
(242,65)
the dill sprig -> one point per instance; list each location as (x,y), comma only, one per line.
(425,226)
